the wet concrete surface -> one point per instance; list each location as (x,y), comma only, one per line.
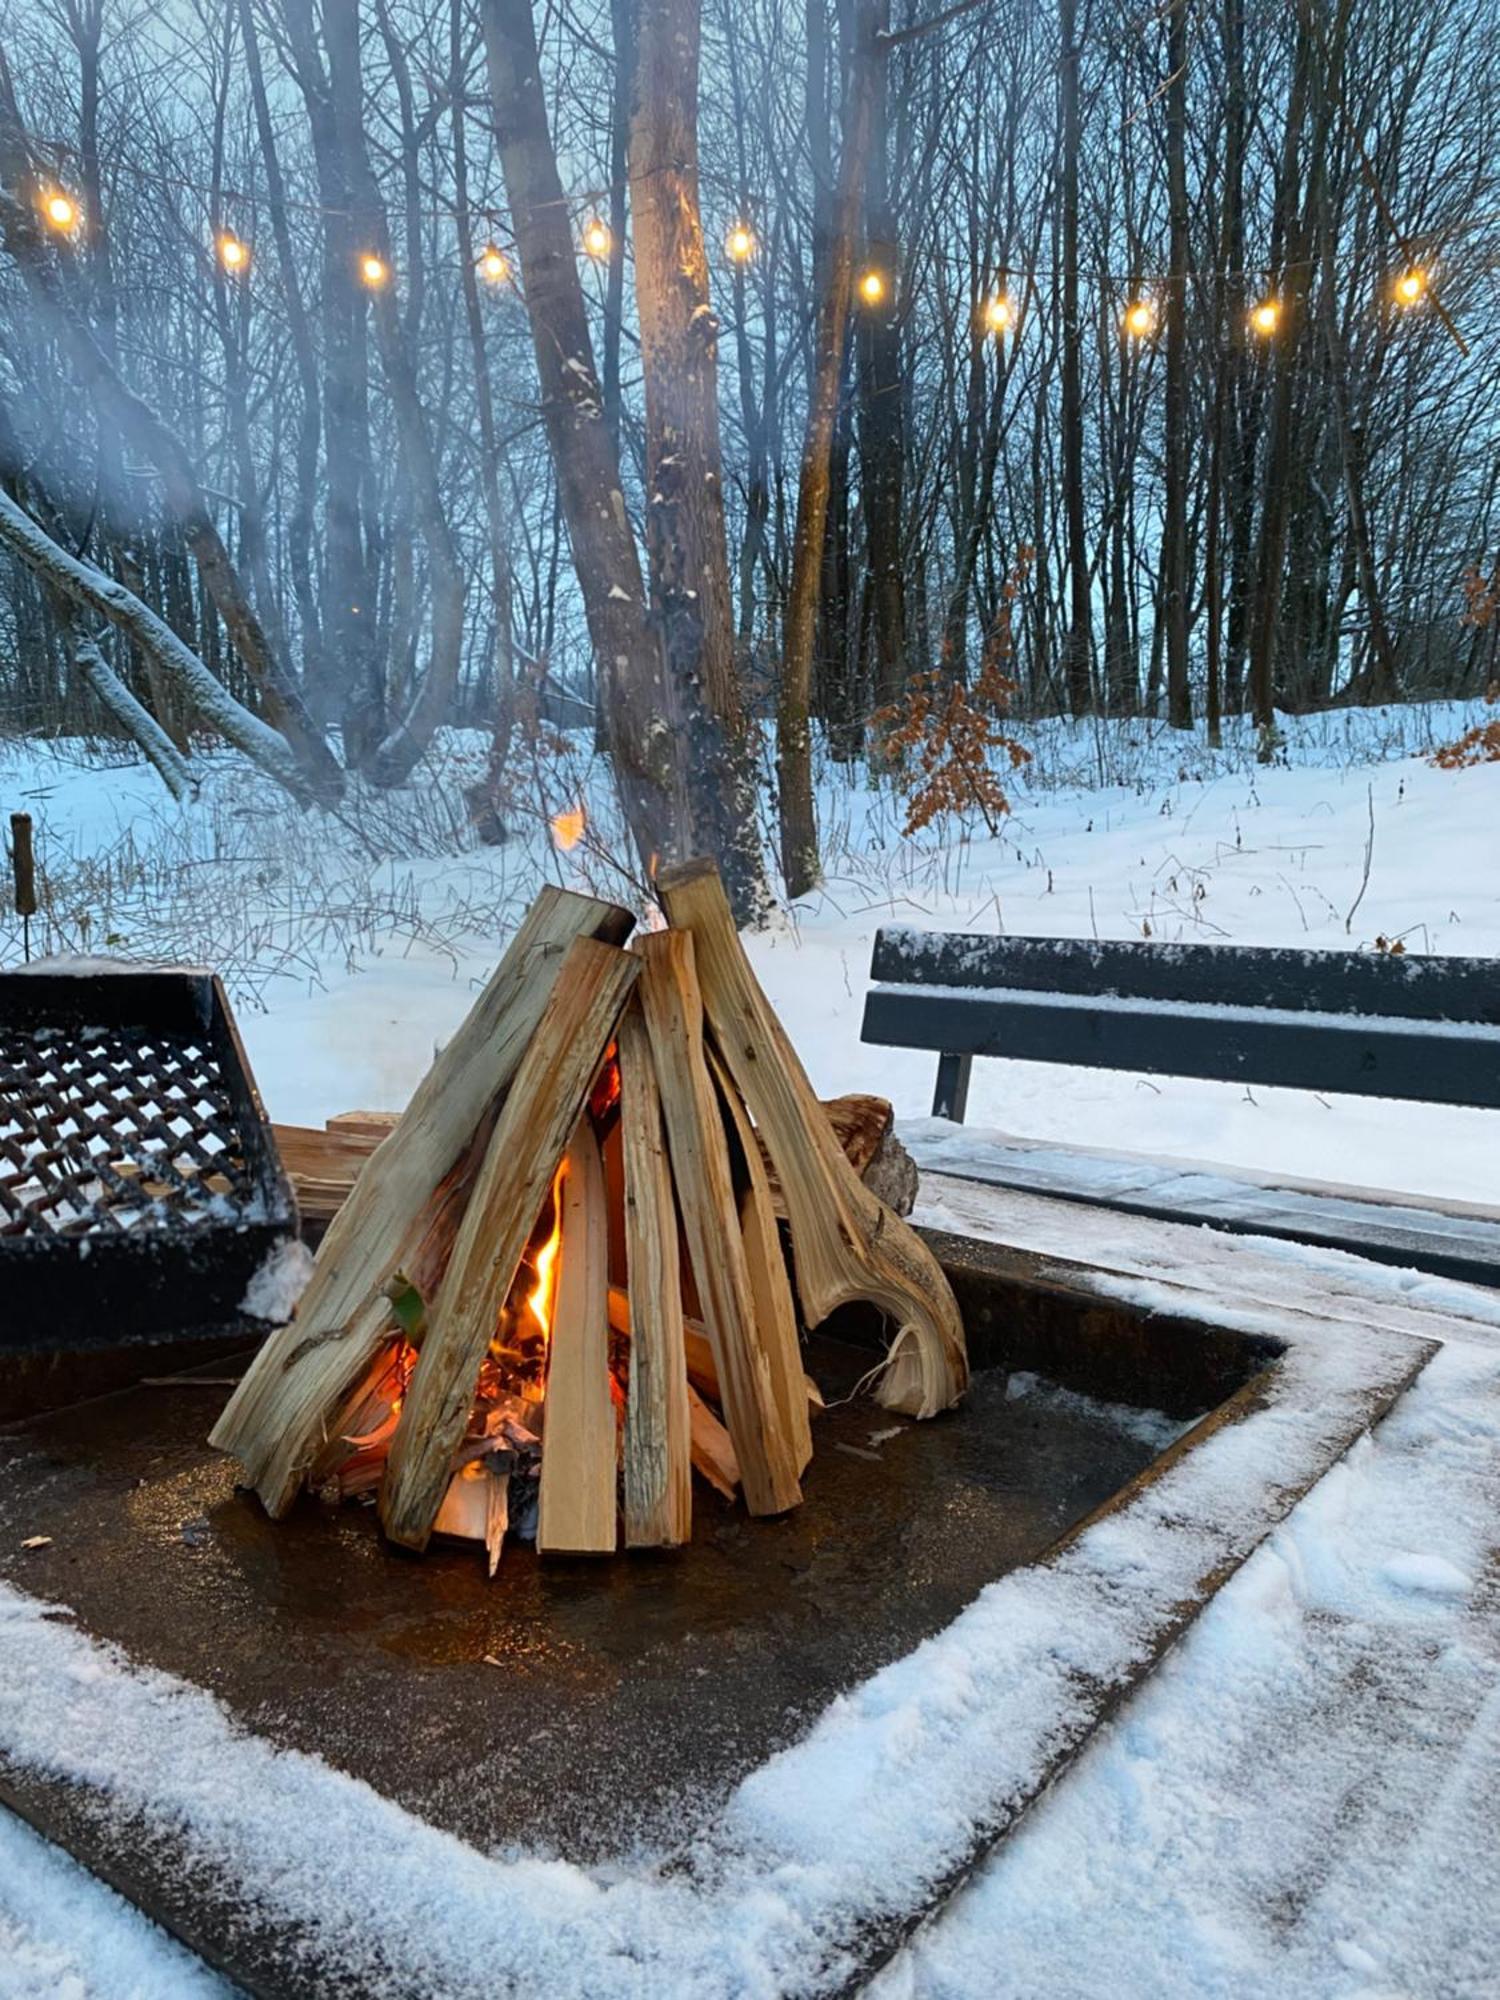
(588,1707)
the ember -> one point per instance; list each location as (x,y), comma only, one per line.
(560,1282)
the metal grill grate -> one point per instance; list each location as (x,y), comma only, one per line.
(115,1129)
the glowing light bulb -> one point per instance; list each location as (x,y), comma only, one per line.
(1411,286)
(60,211)
(999,313)
(1265,318)
(373,270)
(596,237)
(740,243)
(494,265)
(872,288)
(1140,318)
(233,254)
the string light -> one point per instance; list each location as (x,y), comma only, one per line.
(60,211)
(1000,313)
(1265,318)
(1140,319)
(1409,288)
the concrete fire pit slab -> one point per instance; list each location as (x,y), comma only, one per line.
(676,1700)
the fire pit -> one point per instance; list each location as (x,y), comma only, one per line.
(560,1284)
(592,1709)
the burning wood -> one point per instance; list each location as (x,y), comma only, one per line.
(559,1284)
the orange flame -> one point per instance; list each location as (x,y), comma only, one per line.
(543,1294)
(568,828)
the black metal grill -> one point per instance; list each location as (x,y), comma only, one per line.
(139,1183)
(122,1129)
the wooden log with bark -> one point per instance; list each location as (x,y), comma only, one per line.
(847,1244)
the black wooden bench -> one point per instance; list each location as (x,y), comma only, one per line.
(1373,1025)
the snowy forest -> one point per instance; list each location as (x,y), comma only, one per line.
(727,377)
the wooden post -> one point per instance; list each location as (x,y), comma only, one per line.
(549,1093)
(767,1453)
(24,870)
(846,1244)
(576,1509)
(276,1420)
(658,1473)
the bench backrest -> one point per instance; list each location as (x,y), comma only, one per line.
(1370,1024)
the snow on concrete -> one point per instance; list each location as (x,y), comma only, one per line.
(64,1936)
(1304,1800)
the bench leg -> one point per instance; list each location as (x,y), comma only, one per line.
(951,1098)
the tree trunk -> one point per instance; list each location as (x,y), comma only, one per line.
(393,758)
(642,716)
(1175,444)
(1079,646)
(143,431)
(1271,555)
(881,441)
(799,831)
(685,536)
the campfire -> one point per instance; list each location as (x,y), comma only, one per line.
(562,1282)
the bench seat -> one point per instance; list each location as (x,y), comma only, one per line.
(1423,1030)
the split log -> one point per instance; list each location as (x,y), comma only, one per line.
(275,1421)
(323,1163)
(658,1479)
(775,1314)
(540,1112)
(712,1447)
(845,1243)
(763,1442)
(576,1507)
(322,1166)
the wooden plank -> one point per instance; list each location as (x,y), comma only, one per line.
(324,1162)
(764,1445)
(1441,1064)
(372,1125)
(275,1421)
(845,1243)
(1404,986)
(576,1508)
(658,1472)
(770,1288)
(540,1112)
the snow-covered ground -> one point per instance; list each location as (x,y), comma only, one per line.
(353,945)
(1296,1804)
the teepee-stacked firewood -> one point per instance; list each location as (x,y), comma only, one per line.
(561,1282)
